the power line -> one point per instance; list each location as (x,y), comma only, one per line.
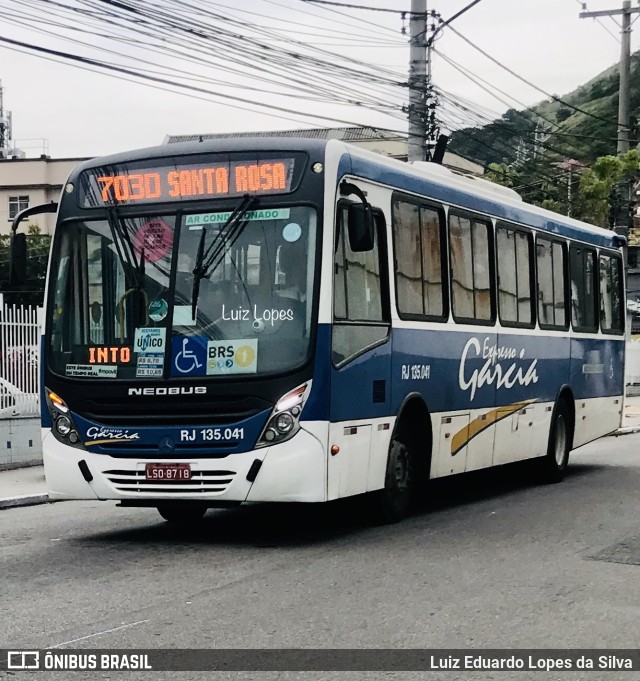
(528,82)
(156,79)
(367,7)
(446,22)
(583,5)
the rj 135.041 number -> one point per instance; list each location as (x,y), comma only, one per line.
(212,434)
(416,372)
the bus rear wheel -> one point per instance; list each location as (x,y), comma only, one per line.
(393,501)
(182,512)
(554,464)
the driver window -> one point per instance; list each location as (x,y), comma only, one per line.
(360,315)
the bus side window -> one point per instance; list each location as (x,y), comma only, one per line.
(551,270)
(611,312)
(417,235)
(469,244)
(583,288)
(514,250)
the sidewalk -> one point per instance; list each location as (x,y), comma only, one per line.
(23,487)
(631,418)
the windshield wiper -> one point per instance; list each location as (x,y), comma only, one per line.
(207,261)
(127,255)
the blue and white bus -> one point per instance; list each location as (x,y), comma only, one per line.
(293,320)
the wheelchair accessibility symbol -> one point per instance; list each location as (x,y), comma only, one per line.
(189,356)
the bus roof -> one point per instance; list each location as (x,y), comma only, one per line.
(474,194)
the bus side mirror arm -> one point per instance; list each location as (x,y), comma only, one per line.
(360,220)
(18,258)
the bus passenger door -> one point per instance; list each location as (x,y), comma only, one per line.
(361,357)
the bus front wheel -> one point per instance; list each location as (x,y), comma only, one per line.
(393,501)
(182,512)
(554,464)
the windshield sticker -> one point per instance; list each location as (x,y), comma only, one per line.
(291,232)
(155,237)
(149,339)
(188,356)
(232,357)
(91,370)
(158,310)
(196,222)
(182,316)
(150,365)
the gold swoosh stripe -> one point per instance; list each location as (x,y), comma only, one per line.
(103,442)
(482,422)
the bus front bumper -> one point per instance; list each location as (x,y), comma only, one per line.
(292,471)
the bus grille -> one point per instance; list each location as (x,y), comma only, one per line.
(186,411)
(202,482)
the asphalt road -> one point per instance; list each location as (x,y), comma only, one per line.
(492,561)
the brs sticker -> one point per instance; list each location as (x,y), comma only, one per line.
(232,357)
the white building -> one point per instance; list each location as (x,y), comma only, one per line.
(26,182)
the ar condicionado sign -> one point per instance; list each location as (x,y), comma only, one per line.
(216,180)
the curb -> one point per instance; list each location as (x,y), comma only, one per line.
(628,430)
(25,500)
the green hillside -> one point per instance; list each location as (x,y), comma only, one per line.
(552,131)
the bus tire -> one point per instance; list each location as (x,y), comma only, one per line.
(182,512)
(393,502)
(554,464)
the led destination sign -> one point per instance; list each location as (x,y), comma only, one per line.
(175,183)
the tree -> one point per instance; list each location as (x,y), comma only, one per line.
(598,185)
(501,173)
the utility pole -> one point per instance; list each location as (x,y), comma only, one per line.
(417,80)
(623,219)
(625,60)
(5,128)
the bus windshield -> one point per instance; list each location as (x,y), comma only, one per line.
(125,305)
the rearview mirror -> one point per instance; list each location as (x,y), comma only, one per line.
(361,227)
(18,263)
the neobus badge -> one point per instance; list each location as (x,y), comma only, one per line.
(183,390)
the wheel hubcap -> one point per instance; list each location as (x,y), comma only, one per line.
(561,440)
(401,467)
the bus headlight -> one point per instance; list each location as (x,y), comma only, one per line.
(284,421)
(63,425)
(63,428)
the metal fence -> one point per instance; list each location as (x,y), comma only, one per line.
(19,340)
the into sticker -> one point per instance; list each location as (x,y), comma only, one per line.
(158,309)
(291,232)
(156,238)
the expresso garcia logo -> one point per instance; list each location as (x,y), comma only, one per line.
(97,435)
(503,366)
